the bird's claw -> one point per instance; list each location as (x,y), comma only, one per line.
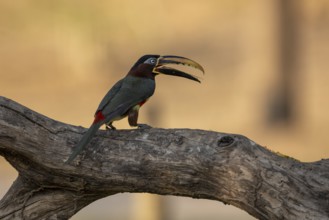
(110,127)
(143,126)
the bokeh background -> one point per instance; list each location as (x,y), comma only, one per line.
(266,76)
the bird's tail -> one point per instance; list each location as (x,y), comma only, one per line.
(84,141)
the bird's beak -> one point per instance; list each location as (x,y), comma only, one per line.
(160,67)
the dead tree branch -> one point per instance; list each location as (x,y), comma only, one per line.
(194,163)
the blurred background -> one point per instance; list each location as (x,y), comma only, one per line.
(266,66)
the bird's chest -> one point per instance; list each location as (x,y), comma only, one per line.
(141,86)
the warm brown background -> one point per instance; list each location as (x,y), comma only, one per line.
(266,76)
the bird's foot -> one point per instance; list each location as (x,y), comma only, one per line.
(143,126)
(110,127)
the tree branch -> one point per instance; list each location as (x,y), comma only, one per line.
(194,163)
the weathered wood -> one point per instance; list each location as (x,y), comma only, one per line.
(195,163)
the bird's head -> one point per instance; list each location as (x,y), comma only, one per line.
(156,64)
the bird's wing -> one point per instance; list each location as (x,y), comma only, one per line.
(132,92)
(110,95)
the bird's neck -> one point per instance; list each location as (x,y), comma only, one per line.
(143,71)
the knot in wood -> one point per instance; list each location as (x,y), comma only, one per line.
(225,141)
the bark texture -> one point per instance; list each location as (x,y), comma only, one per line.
(200,164)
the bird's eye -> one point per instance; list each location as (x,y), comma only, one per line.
(151,61)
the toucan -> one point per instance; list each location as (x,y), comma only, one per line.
(126,97)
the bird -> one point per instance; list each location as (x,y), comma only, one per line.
(130,93)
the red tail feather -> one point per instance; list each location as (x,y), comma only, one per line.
(98,117)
